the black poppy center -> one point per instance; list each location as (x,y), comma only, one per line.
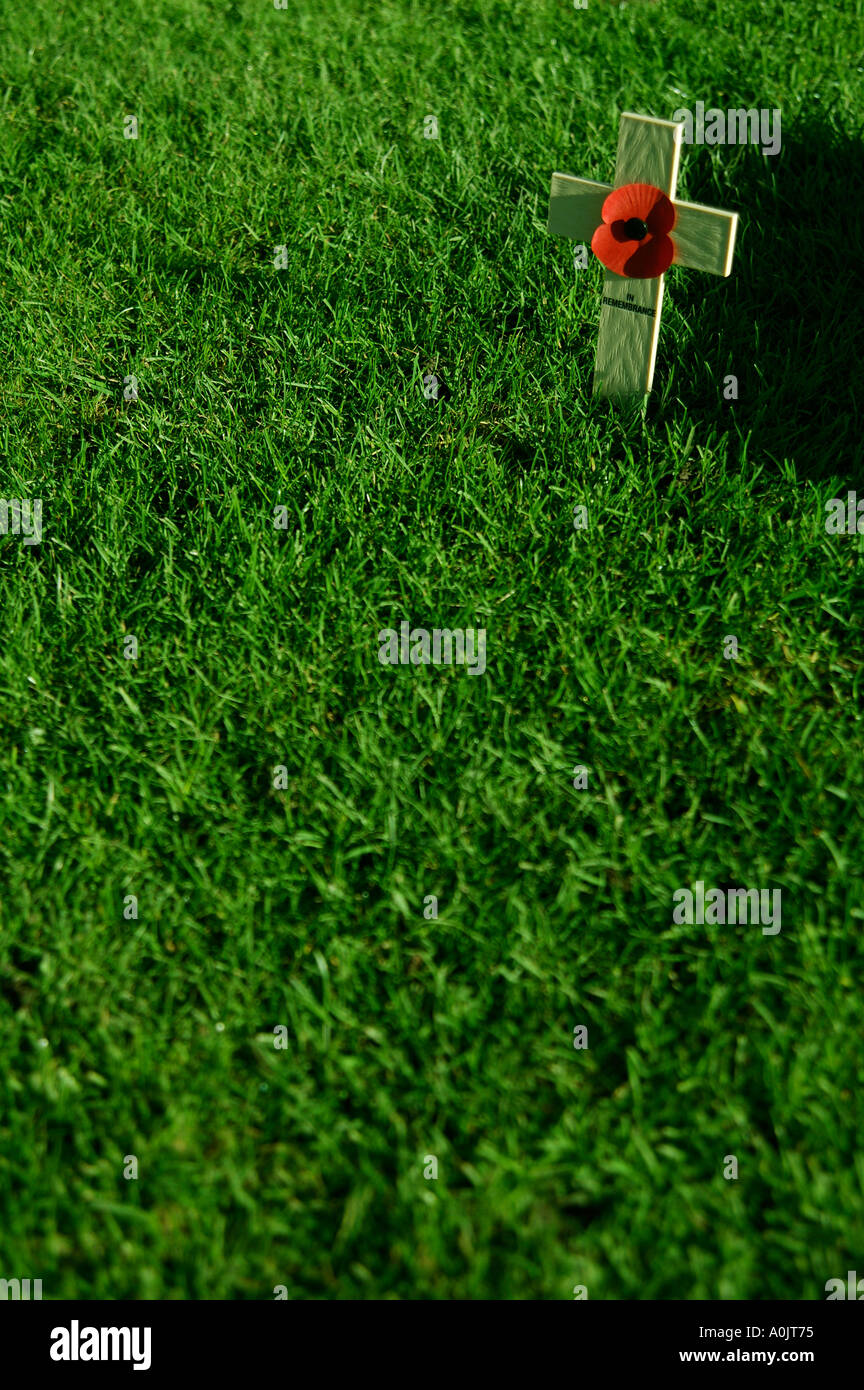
(635,229)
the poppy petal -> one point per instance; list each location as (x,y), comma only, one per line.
(631,200)
(614,252)
(661,218)
(650,258)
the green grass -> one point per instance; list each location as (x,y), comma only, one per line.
(303,907)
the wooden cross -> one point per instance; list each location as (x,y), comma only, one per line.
(702,238)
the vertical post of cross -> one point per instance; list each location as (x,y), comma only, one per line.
(649,151)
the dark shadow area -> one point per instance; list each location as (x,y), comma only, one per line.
(789,321)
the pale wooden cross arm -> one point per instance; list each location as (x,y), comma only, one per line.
(575,205)
(703,237)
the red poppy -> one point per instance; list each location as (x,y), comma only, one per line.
(633,239)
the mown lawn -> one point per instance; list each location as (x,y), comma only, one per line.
(295,900)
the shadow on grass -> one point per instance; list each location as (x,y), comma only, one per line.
(789,322)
